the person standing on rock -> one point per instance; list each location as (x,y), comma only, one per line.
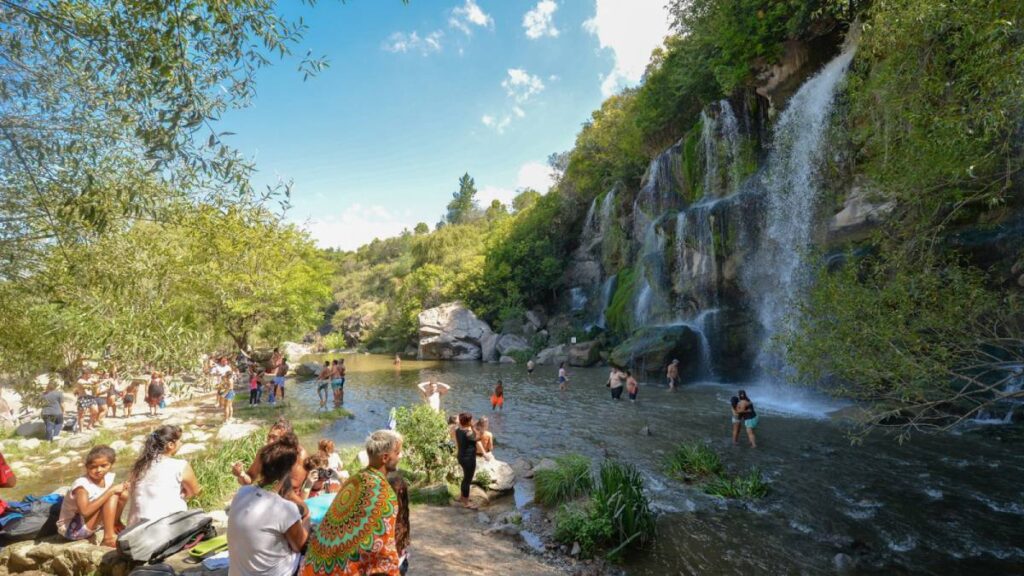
(53,410)
(432,392)
(358,533)
(673,374)
(466,446)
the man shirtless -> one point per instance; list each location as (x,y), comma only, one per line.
(432,392)
(673,374)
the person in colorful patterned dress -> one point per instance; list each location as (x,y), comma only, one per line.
(357,535)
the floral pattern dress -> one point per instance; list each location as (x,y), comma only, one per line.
(357,535)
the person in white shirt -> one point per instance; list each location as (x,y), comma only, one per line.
(160,483)
(265,531)
(432,392)
(94,501)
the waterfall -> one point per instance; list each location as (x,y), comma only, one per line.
(606,298)
(791,184)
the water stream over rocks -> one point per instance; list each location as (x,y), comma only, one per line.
(950,504)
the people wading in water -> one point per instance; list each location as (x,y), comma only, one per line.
(745,410)
(432,392)
(673,374)
(322,382)
(616,379)
(563,377)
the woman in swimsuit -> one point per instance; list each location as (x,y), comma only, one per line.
(498,397)
(745,410)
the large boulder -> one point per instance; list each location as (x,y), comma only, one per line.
(651,348)
(293,351)
(509,343)
(451,332)
(503,478)
(489,347)
(860,213)
(585,354)
(307,369)
(31,429)
(536,318)
(552,355)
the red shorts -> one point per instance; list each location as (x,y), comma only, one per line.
(497,401)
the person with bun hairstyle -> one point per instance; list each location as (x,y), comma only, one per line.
(280,431)
(266,532)
(160,483)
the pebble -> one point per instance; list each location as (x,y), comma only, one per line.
(483,518)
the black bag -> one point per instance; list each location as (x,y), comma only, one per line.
(155,540)
(39,521)
(154,570)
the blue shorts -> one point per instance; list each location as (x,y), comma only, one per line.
(279,381)
(562,379)
(338,384)
(751,423)
(230,395)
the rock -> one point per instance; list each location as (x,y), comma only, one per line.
(17,558)
(307,369)
(219,517)
(858,216)
(843,564)
(236,430)
(584,354)
(136,447)
(552,355)
(450,332)
(521,466)
(294,351)
(509,343)
(186,449)
(29,443)
(545,464)
(504,530)
(651,348)
(483,518)
(645,431)
(478,496)
(536,318)
(196,436)
(575,549)
(503,478)
(61,461)
(118,445)
(489,347)
(31,429)
(542,337)
(506,360)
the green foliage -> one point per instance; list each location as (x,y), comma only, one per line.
(463,207)
(426,446)
(569,479)
(693,460)
(524,200)
(213,470)
(620,311)
(483,479)
(418,495)
(608,149)
(617,516)
(748,487)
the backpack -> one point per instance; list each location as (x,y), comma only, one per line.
(155,540)
(39,520)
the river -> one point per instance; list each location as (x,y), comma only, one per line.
(949,504)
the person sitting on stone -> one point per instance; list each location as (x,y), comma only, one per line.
(160,484)
(484,439)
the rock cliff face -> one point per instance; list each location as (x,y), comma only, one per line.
(452,332)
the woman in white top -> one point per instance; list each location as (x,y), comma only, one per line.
(266,531)
(160,484)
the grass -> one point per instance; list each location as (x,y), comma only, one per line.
(698,462)
(694,460)
(569,479)
(433,497)
(750,486)
(213,470)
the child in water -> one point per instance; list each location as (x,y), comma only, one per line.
(632,386)
(498,397)
(563,377)
(94,501)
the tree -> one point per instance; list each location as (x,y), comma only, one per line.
(528,197)
(421,229)
(495,211)
(463,206)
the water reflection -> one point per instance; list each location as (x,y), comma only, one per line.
(943,505)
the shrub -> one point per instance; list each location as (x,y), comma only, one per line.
(569,479)
(576,523)
(483,479)
(751,486)
(693,460)
(213,470)
(426,444)
(619,503)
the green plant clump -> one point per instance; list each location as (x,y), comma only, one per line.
(213,471)
(749,486)
(576,522)
(569,479)
(694,460)
(426,442)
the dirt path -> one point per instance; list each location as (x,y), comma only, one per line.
(449,540)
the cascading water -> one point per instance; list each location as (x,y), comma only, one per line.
(606,297)
(777,274)
(720,137)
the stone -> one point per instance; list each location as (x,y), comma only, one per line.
(504,530)
(78,441)
(858,216)
(118,445)
(584,354)
(844,564)
(31,429)
(235,431)
(61,461)
(136,447)
(483,518)
(17,558)
(196,436)
(575,549)
(489,347)
(545,464)
(503,477)
(29,443)
(186,449)
(651,348)
(294,351)
(645,431)
(536,318)
(552,356)
(478,496)
(307,369)
(506,360)
(509,343)
(450,332)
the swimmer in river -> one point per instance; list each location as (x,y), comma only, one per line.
(432,392)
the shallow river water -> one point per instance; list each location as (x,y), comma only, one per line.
(951,504)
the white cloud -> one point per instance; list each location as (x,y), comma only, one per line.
(536,175)
(540,21)
(631,30)
(487,194)
(521,85)
(519,112)
(469,15)
(402,42)
(357,225)
(499,126)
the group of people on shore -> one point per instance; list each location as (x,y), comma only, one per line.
(97,395)
(261,379)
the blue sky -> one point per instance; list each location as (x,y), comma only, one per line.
(416,95)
